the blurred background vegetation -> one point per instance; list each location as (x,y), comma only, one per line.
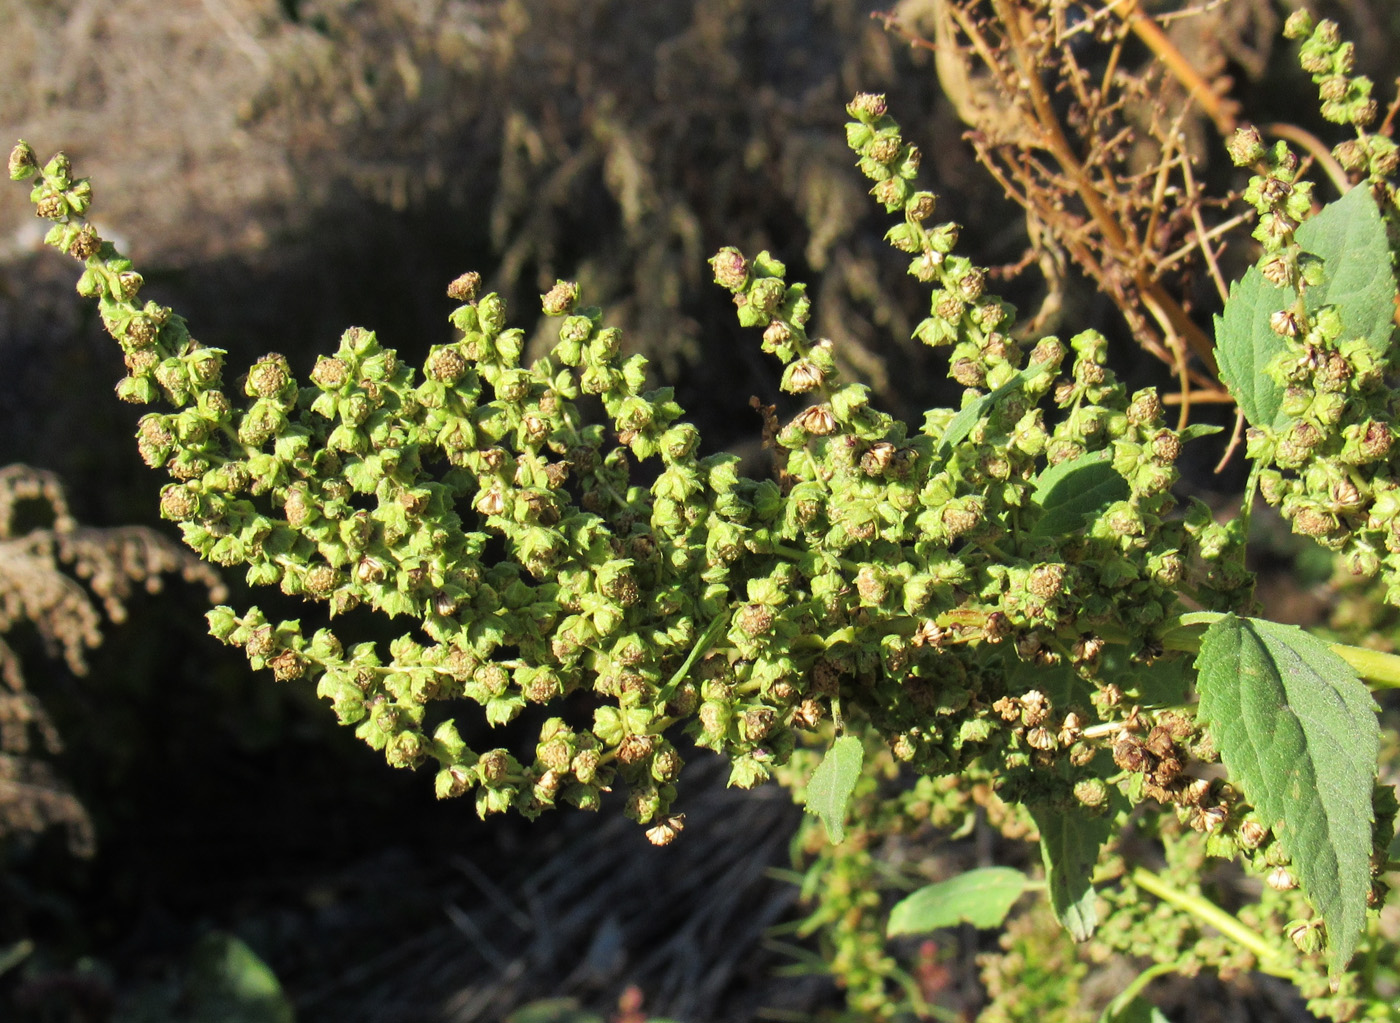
(283,169)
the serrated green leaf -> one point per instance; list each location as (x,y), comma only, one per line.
(1297,730)
(829,791)
(1349,237)
(1069,846)
(962,423)
(979,897)
(1072,492)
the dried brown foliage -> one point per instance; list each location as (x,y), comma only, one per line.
(1097,119)
(40,568)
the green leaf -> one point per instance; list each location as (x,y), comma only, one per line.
(553,1010)
(1069,846)
(1073,492)
(12,955)
(228,983)
(829,791)
(979,897)
(1297,731)
(1137,1011)
(1349,237)
(1245,344)
(962,423)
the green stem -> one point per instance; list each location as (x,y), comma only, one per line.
(1140,982)
(796,554)
(1208,912)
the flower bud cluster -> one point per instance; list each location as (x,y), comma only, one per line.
(898,572)
(1331,467)
(903,577)
(1346,98)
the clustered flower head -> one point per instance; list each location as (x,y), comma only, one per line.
(981,597)
(899,576)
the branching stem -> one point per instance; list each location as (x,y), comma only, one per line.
(1208,912)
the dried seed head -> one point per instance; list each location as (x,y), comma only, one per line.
(1252,834)
(1281,879)
(1035,707)
(757,722)
(808,714)
(1209,818)
(816,420)
(465,287)
(1130,756)
(1070,730)
(287,666)
(635,748)
(804,375)
(1284,323)
(876,460)
(665,833)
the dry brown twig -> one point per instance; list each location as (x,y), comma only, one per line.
(1095,151)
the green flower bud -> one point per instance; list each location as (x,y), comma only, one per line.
(490,315)
(560,299)
(867,106)
(269,376)
(1299,24)
(731,270)
(23,162)
(494,766)
(1307,935)
(179,503)
(1245,146)
(330,374)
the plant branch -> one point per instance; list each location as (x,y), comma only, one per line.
(1208,912)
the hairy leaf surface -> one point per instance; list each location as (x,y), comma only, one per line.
(829,791)
(1297,731)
